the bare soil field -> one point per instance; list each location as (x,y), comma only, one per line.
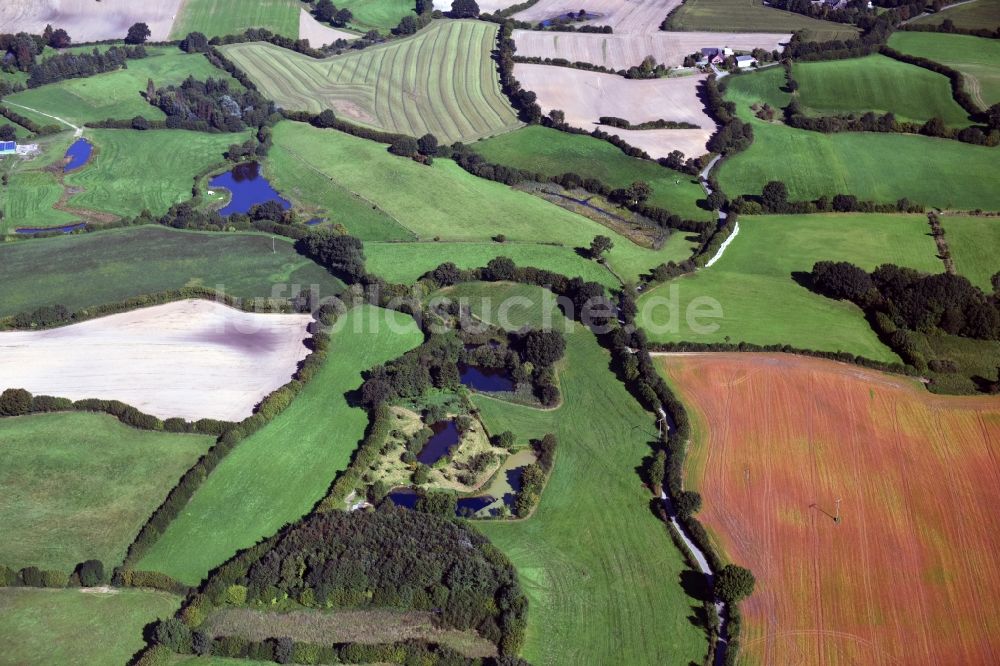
(319,34)
(586,96)
(86,20)
(783,444)
(192,359)
(624,51)
(624,16)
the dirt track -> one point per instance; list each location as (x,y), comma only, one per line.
(86,20)
(193,359)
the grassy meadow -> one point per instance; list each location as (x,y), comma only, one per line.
(277,475)
(753,16)
(462,207)
(381,15)
(972,15)
(973,242)
(872,166)
(977,58)
(400,86)
(117,94)
(551,152)
(601,574)
(32,188)
(83,270)
(230,17)
(133,171)
(761,301)
(39,626)
(79,486)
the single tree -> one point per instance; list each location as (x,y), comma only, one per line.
(427,144)
(342,18)
(775,196)
(59,39)
(405,146)
(734,583)
(195,42)
(464,9)
(599,246)
(15,402)
(91,573)
(326,119)
(543,348)
(137,34)
(325,11)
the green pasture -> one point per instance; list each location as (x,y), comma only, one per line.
(79,486)
(977,58)
(871,166)
(402,86)
(973,242)
(445,202)
(551,153)
(229,17)
(277,475)
(132,171)
(82,270)
(42,627)
(754,283)
(118,94)
(32,188)
(381,15)
(601,574)
(753,16)
(971,16)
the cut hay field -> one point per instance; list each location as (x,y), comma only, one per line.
(79,486)
(586,96)
(33,188)
(761,301)
(401,86)
(87,21)
(903,578)
(40,627)
(973,242)
(551,152)
(971,15)
(115,94)
(277,475)
(623,51)
(753,16)
(624,16)
(193,359)
(81,271)
(812,164)
(469,209)
(602,577)
(978,59)
(230,17)
(133,171)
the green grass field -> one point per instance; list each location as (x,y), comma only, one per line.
(277,475)
(444,201)
(402,86)
(872,166)
(978,59)
(601,574)
(973,242)
(552,153)
(230,17)
(115,94)
(80,486)
(71,627)
(381,15)
(978,14)
(761,302)
(83,270)
(32,189)
(152,170)
(753,16)
(880,84)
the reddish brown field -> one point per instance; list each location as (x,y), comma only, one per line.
(910,574)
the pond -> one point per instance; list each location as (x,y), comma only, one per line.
(407,499)
(78,154)
(69,228)
(486,379)
(316,220)
(445,436)
(248,187)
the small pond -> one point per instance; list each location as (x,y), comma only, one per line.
(248,186)
(486,379)
(445,436)
(316,220)
(78,154)
(69,228)
(407,499)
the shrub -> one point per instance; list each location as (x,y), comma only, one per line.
(15,402)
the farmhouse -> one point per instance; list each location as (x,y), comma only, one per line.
(745,61)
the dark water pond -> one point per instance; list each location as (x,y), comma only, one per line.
(316,220)
(248,187)
(407,499)
(486,379)
(569,16)
(69,228)
(78,154)
(514,479)
(445,436)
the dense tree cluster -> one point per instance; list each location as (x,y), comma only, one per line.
(340,254)
(621,123)
(211,105)
(774,199)
(733,134)
(326,12)
(77,65)
(20,50)
(948,26)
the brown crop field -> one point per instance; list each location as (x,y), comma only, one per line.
(908,576)
(623,51)
(625,16)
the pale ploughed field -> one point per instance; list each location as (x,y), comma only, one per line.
(624,16)
(86,20)
(191,359)
(320,34)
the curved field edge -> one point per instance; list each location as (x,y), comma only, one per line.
(784,445)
